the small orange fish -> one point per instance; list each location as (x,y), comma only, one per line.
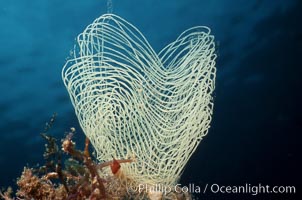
(115,166)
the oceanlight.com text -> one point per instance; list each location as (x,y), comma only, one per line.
(249,189)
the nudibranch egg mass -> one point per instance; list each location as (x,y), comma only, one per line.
(134,103)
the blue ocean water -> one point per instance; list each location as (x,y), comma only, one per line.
(255,133)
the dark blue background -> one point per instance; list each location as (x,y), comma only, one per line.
(255,134)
